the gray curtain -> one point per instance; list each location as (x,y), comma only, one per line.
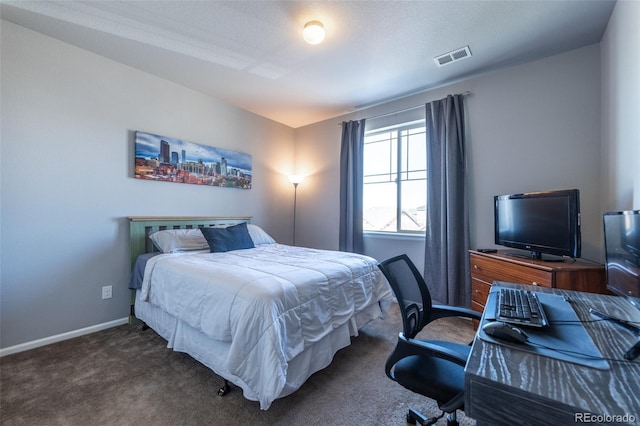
(351,169)
(447,238)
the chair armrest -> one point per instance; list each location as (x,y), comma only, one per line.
(428,349)
(443,311)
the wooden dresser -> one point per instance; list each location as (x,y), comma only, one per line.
(581,275)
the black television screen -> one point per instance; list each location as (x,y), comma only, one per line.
(540,222)
(622,251)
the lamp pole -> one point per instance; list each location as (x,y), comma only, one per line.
(295,180)
(295,200)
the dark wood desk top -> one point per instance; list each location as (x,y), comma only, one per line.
(504,385)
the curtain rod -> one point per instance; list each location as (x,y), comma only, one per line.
(403,110)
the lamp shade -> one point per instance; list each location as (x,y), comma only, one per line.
(313,32)
(296,179)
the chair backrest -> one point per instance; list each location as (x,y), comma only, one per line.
(410,290)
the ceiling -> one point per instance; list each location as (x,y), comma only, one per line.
(250,54)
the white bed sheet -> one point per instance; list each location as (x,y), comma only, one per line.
(262,308)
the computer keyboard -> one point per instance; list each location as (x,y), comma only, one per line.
(521,307)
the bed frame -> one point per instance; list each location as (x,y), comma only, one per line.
(140,229)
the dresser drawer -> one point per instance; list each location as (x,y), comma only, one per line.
(479,291)
(488,270)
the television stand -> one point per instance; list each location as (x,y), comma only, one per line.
(579,275)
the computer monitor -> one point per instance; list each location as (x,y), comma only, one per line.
(622,250)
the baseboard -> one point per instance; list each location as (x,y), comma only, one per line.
(60,337)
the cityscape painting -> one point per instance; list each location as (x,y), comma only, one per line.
(166,159)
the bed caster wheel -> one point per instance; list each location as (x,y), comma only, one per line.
(224,389)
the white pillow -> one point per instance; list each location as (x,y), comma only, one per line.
(258,235)
(179,240)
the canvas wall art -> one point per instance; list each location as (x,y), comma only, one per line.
(166,159)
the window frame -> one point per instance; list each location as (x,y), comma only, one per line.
(396,177)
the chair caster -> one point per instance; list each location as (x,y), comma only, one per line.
(452,420)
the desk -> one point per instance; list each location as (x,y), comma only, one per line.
(508,386)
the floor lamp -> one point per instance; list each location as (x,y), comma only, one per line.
(295,180)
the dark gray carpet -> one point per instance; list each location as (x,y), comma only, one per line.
(126,376)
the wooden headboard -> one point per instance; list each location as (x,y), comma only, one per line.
(140,227)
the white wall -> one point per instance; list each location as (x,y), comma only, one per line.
(621,108)
(68,118)
(531,127)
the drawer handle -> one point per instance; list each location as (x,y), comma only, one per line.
(475,267)
(534,283)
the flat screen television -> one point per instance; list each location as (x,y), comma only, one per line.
(622,253)
(540,222)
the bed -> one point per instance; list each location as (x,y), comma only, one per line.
(264,316)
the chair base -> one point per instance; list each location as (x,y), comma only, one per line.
(415,417)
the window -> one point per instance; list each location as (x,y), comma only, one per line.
(395,179)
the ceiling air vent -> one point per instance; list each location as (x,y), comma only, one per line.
(453,56)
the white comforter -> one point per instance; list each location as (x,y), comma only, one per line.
(269,302)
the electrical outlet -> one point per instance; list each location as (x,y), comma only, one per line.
(106,292)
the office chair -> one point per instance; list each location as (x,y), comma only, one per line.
(431,368)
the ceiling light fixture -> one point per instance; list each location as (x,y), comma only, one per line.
(313,32)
